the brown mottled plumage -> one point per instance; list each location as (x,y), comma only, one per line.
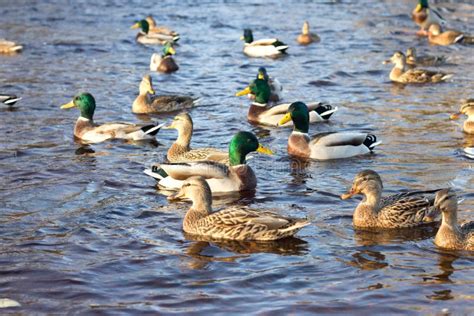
(467,108)
(413,60)
(436,36)
(306,38)
(408,209)
(163,64)
(450,234)
(236,223)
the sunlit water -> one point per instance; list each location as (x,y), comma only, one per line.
(84,230)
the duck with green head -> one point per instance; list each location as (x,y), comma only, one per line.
(261,112)
(146,35)
(270,47)
(89,132)
(164,62)
(323,146)
(275,86)
(235,177)
(424,16)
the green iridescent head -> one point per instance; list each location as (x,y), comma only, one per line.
(242,144)
(299,114)
(143,25)
(168,49)
(422,4)
(261,90)
(86,104)
(248,36)
(262,74)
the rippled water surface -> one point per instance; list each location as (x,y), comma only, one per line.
(84,230)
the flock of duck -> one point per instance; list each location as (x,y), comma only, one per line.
(198,173)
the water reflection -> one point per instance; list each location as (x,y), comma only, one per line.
(394,236)
(367,260)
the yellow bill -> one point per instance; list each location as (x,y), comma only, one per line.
(151,91)
(68,105)
(177,196)
(455,116)
(348,195)
(243,92)
(418,8)
(242,38)
(260,76)
(285,119)
(135,26)
(264,150)
(171,51)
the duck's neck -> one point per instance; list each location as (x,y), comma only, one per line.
(202,207)
(366,212)
(449,234)
(184,136)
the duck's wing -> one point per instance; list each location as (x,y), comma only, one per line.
(264,42)
(330,139)
(206,169)
(168,103)
(206,154)
(239,215)
(468,227)
(408,211)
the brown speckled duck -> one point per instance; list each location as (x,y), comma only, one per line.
(467,108)
(235,223)
(450,234)
(9,47)
(164,62)
(413,60)
(408,209)
(148,102)
(181,150)
(163,32)
(306,37)
(436,36)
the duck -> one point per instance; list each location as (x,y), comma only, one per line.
(222,178)
(87,131)
(323,146)
(413,60)
(424,16)
(147,102)
(467,108)
(9,99)
(164,62)
(262,112)
(436,36)
(403,210)
(401,74)
(270,47)
(232,223)
(275,86)
(450,234)
(306,38)
(9,47)
(180,150)
(144,36)
(166,33)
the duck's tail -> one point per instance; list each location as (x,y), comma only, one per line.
(325,110)
(293,228)
(371,141)
(156,172)
(152,130)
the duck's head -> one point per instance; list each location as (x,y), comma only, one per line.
(86,104)
(299,114)
(151,21)
(146,85)
(248,36)
(446,201)
(182,121)
(398,58)
(434,29)
(262,74)
(242,144)
(168,49)
(143,25)
(259,88)
(305,29)
(467,108)
(197,190)
(364,182)
(422,4)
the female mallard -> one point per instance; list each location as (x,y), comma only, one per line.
(89,132)
(166,33)
(181,150)
(306,38)
(261,112)
(450,234)
(235,223)
(413,60)
(144,36)
(9,99)
(148,102)
(271,47)
(274,84)
(436,36)
(400,72)
(424,16)
(221,178)
(467,108)
(9,47)
(407,209)
(164,62)
(323,146)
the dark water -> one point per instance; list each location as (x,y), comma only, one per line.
(83,230)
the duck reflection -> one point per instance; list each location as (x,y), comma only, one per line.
(298,170)
(367,260)
(367,237)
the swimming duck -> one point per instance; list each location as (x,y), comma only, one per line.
(450,234)
(221,178)
(261,112)
(413,60)
(467,108)
(9,99)
(400,72)
(323,146)
(9,47)
(403,210)
(233,223)
(306,38)
(275,87)
(271,47)
(148,102)
(144,36)
(164,62)
(89,132)
(181,150)
(436,36)
(166,33)
(424,16)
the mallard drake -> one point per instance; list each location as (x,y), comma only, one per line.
(306,38)
(436,36)
(166,33)
(148,102)
(221,178)
(164,62)
(450,234)
(9,47)
(323,146)
(181,150)
(9,99)
(275,86)
(261,112)
(400,72)
(403,210)
(144,36)
(89,132)
(467,108)
(270,47)
(236,222)
(424,16)
(413,60)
